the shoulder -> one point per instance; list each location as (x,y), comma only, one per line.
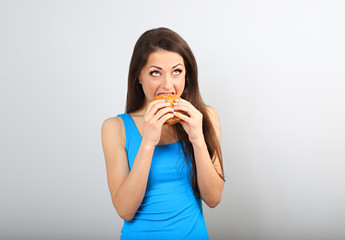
(213,117)
(212,114)
(112,123)
(113,129)
(210,110)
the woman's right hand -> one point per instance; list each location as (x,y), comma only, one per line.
(157,113)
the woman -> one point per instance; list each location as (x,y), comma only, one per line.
(158,174)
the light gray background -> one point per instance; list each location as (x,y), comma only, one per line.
(274,70)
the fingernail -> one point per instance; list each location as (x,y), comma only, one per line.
(175,104)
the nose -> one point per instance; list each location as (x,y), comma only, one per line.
(167,83)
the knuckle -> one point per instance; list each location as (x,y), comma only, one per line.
(167,116)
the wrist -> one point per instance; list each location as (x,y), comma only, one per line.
(147,145)
(199,142)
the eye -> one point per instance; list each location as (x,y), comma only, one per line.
(177,71)
(154,73)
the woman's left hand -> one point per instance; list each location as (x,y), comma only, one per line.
(192,123)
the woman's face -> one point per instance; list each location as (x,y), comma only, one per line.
(164,72)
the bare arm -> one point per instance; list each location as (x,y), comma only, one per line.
(209,182)
(127,187)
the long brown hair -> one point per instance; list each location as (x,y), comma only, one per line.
(166,39)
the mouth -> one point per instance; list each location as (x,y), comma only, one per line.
(165,93)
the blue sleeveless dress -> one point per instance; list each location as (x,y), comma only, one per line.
(169,209)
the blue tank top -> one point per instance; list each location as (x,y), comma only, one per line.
(169,209)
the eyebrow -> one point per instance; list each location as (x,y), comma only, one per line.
(155,67)
(161,68)
(177,65)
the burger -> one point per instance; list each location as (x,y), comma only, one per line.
(170,98)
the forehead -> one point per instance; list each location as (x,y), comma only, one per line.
(164,59)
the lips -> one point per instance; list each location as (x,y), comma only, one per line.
(165,93)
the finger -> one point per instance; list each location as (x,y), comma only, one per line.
(160,113)
(155,106)
(165,117)
(183,117)
(186,109)
(155,103)
(184,102)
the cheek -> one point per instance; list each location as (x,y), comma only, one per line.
(182,81)
(149,89)
(180,84)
